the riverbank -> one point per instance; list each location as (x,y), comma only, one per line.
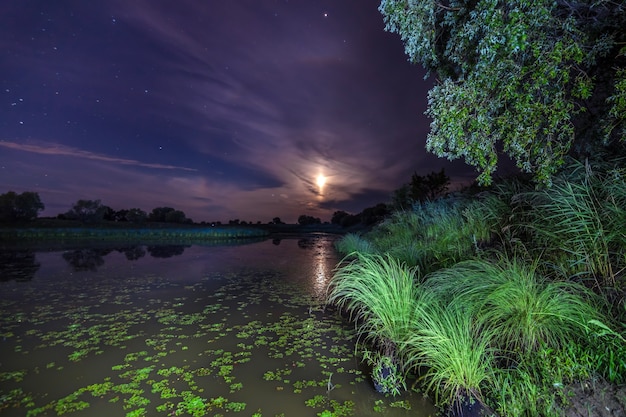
(67,230)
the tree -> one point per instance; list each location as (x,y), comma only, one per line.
(109,213)
(401,198)
(176,216)
(428,187)
(168,215)
(420,189)
(304,220)
(120,215)
(338,216)
(87,211)
(351,220)
(375,214)
(159,214)
(20,207)
(518,76)
(136,215)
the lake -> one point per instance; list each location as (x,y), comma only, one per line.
(191,330)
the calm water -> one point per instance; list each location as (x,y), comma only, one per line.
(181,330)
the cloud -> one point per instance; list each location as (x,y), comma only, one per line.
(47,148)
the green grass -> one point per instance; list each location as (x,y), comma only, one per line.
(520,291)
(522,307)
(129,234)
(580,223)
(453,350)
(353,242)
(381,296)
(433,235)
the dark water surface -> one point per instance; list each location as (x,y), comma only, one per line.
(181,330)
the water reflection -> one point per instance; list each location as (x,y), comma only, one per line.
(85,259)
(166,251)
(90,259)
(322,273)
(209,330)
(133,253)
(18,265)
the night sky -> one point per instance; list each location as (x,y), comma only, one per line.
(221,109)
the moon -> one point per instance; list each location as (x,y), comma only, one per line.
(320,181)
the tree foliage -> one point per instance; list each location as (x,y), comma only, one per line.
(304,220)
(375,214)
(168,215)
(87,211)
(420,189)
(516,76)
(136,215)
(20,207)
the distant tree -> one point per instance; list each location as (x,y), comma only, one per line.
(420,189)
(233,222)
(136,215)
(20,207)
(304,220)
(176,216)
(338,217)
(351,220)
(276,220)
(536,79)
(401,198)
(120,215)
(87,211)
(109,214)
(375,214)
(430,187)
(159,214)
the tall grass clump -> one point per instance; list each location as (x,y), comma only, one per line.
(381,296)
(499,213)
(351,243)
(524,310)
(580,221)
(399,236)
(433,234)
(453,351)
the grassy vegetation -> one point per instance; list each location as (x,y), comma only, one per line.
(519,292)
(59,230)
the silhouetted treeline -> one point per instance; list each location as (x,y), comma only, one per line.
(26,207)
(19,207)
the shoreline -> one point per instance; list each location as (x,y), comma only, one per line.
(73,232)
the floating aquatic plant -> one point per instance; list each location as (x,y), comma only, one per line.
(148,344)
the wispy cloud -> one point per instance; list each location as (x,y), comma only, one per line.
(62,150)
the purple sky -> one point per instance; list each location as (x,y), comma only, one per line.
(222,109)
